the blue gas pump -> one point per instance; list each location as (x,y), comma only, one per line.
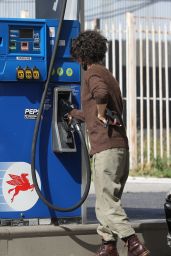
(26,48)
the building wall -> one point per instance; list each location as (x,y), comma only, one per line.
(13,8)
(108,11)
(114,11)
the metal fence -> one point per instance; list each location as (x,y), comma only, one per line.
(139,56)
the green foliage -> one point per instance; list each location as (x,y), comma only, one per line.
(159,167)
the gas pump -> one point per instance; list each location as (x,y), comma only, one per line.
(36,73)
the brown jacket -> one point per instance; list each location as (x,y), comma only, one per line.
(99,88)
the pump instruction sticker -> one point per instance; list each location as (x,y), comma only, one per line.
(52,32)
(17,189)
(23,58)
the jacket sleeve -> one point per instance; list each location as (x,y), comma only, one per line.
(78,114)
(99,89)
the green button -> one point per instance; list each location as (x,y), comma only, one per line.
(53,72)
(60,71)
(69,72)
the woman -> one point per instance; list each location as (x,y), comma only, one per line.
(102,112)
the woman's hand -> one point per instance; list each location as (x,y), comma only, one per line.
(101,113)
(69,118)
(102,119)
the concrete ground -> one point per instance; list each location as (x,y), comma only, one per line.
(144,184)
(147,184)
(143,199)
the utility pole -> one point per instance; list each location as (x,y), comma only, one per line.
(53,9)
(81,13)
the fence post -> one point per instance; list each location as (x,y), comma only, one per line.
(131,90)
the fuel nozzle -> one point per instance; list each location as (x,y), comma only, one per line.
(65,108)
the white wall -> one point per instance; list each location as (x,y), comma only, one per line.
(13,8)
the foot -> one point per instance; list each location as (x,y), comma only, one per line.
(107,249)
(136,248)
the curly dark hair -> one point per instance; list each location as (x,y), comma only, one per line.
(90,47)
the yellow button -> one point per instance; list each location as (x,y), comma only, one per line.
(20,74)
(36,74)
(28,74)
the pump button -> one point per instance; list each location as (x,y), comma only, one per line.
(36,73)
(28,74)
(20,73)
(24,46)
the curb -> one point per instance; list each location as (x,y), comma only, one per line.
(76,240)
(147,180)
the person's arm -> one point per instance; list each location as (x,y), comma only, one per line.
(78,114)
(99,91)
(69,111)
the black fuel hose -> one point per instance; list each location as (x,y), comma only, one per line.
(37,126)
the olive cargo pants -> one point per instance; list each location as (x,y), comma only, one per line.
(110,172)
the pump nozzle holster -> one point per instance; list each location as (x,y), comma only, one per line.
(65,107)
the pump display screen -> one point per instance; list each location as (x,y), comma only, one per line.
(26,33)
(24,39)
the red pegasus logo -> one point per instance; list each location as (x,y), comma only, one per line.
(21,183)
